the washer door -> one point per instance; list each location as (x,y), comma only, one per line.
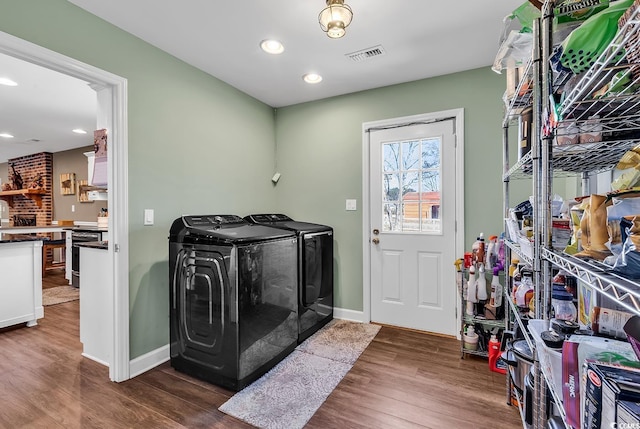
(200,297)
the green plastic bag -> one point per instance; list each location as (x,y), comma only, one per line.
(586,43)
(571,11)
(526,14)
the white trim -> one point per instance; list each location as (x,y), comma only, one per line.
(95,359)
(346,314)
(366,221)
(149,360)
(117,176)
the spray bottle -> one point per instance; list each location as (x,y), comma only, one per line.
(481,284)
(478,250)
(496,288)
(492,252)
(472,292)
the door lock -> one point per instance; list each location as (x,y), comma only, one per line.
(376,231)
(375,240)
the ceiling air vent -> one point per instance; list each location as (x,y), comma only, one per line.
(366,54)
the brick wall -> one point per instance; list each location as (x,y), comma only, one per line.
(28,167)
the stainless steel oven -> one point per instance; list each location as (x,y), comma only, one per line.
(79,237)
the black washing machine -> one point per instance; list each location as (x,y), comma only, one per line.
(315,270)
(233,298)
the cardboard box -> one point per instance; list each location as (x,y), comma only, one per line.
(589,298)
(605,387)
(628,414)
(579,349)
(560,234)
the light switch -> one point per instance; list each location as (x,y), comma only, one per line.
(351,205)
(73,208)
(148,216)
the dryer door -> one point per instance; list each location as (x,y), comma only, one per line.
(317,273)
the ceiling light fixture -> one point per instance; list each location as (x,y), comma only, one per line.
(6,135)
(312,78)
(335,18)
(79,131)
(8,82)
(271,46)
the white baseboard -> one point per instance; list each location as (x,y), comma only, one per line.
(148,361)
(95,359)
(346,314)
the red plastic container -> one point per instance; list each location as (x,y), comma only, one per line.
(494,355)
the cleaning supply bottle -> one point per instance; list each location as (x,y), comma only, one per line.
(494,355)
(492,252)
(513,272)
(481,284)
(496,289)
(472,292)
(478,249)
(470,338)
(501,252)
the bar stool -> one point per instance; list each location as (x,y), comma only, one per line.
(46,246)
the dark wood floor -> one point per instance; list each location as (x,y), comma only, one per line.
(404,379)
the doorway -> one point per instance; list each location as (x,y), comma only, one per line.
(413,220)
(112,110)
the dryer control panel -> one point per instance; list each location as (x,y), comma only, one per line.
(268,218)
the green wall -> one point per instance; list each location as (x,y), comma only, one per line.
(196,145)
(320,157)
(189,136)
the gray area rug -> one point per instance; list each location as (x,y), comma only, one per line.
(59,294)
(291,392)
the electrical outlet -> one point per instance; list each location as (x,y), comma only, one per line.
(351,205)
(73,208)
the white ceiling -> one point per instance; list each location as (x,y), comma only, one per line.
(42,110)
(420,38)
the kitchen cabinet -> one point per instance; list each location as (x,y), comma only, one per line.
(96,304)
(68,255)
(21,282)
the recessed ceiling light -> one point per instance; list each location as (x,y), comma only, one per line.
(312,78)
(6,135)
(272,46)
(8,82)
(79,131)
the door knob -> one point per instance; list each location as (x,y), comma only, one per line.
(376,231)
(375,240)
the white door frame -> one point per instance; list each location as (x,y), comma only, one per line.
(117,173)
(458,114)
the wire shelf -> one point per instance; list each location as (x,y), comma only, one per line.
(523,97)
(569,160)
(471,320)
(515,248)
(600,278)
(579,103)
(521,169)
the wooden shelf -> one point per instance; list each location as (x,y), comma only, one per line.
(33,194)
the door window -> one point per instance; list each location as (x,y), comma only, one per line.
(411,186)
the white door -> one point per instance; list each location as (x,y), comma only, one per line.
(412,198)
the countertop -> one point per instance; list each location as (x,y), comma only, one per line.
(87,228)
(14,238)
(24,233)
(32,229)
(94,244)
